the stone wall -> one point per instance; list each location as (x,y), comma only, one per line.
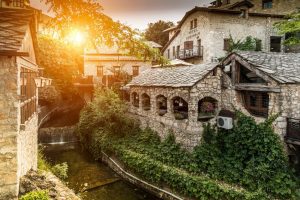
(18,143)
(8,128)
(28,146)
(188,131)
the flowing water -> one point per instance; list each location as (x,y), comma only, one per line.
(84,172)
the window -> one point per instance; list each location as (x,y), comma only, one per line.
(146,102)
(195,23)
(178,51)
(275,44)
(188,45)
(267,4)
(168,54)
(18,3)
(226,2)
(28,94)
(135,70)
(191,24)
(174,52)
(161,104)
(135,99)
(258,45)
(257,103)
(207,108)
(180,108)
(117,70)
(226,44)
(99,71)
(293,129)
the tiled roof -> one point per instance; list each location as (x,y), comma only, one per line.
(283,67)
(185,76)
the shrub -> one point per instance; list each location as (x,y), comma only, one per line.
(106,113)
(250,154)
(42,162)
(60,170)
(36,195)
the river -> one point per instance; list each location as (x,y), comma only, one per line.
(84,171)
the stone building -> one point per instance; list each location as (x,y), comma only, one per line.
(260,6)
(180,99)
(108,67)
(203,34)
(18,95)
(169,98)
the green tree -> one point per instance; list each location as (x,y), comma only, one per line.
(60,61)
(155,32)
(88,17)
(291,27)
(248,44)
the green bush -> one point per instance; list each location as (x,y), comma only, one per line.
(36,195)
(60,170)
(250,154)
(42,162)
(106,113)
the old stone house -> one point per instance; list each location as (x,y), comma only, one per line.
(18,95)
(109,67)
(181,99)
(259,6)
(203,33)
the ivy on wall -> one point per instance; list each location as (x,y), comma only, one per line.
(247,162)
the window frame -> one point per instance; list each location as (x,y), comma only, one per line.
(135,70)
(100,71)
(267,4)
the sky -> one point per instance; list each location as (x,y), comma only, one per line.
(138,13)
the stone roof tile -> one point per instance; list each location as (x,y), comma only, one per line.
(283,67)
(183,76)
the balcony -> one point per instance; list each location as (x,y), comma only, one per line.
(81,81)
(195,52)
(293,131)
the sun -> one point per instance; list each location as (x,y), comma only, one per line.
(76,37)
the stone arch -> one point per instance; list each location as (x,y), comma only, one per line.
(180,108)
(135,99)
(146,104)
(207,108)
(161,104)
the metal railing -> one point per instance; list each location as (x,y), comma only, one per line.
(196,51)
(293,129)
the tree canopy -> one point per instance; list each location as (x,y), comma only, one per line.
(88,17)
(290,27)
(155,33)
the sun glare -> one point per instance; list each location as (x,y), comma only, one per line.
(77,37)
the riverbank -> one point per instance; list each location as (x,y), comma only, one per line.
(46,181)
(90,179)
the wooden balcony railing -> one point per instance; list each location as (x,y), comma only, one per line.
(195,52)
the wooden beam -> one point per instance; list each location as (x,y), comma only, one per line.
(13,53)
(257,87)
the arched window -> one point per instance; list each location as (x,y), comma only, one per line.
(180,108)
(146,102)
(207,108)
(161,104)
(135,100)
